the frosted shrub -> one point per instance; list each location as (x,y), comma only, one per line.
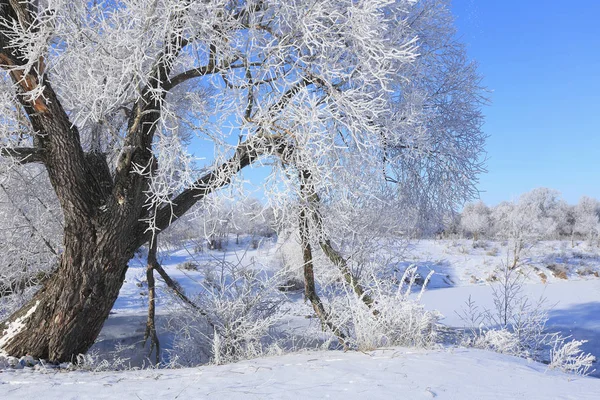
(501,341)
(517,326)
(96,362)
(395,319)
(523,335)
(568,357)
(235,317)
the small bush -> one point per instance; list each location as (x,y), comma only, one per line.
(568,357)
(500,341)
(95,362)
(480,244)
(587,271)
(558,271)
(517,326)
(189,266)
(493,252)
(394,319)
(233,321)
(291,284)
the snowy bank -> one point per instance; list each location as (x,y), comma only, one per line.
(396,373)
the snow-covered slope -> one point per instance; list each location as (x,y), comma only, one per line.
(395,373)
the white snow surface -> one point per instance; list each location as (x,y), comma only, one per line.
(395,373)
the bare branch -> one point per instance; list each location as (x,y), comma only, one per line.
(23,155)
(199,72)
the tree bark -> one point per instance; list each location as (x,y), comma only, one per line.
(64,318)
(310,291)
(313,201)
(151,321)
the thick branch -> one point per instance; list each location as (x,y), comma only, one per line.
(57,136)
(288,95)
(336,258)
(173,285)
(245,154)
(151,322)
(190,74)
(176,288)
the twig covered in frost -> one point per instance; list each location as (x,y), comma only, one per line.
(569,357)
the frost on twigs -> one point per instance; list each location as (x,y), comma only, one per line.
(375,100)
(569,357)
(517,326)
(400,318)
(30,236)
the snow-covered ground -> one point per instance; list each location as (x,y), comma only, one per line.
(396,373)
(462,270)
(572,299)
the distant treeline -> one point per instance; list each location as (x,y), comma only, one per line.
(539,214)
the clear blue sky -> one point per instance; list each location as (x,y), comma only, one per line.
(541,60)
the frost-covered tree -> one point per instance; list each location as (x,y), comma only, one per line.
(535,215)
(587,218)
(475,219)
(345,99)
(540,211)
(251,217)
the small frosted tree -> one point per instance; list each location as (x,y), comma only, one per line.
(540,211)
(345,100)
(475,219)
(587,218)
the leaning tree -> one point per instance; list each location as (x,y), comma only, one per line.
(349,102)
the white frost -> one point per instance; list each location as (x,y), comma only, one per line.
(15,327)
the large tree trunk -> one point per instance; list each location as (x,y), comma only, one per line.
(66,315)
